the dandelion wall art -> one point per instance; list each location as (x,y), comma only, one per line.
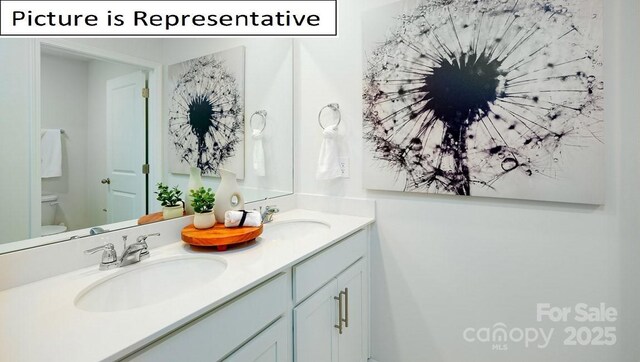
(499,98)
(206,113)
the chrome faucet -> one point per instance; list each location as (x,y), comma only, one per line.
(267,213)
(131,254)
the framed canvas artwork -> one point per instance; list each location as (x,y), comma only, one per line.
(206,113)
(494,98)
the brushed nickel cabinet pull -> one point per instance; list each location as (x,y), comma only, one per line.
(346,307)
(339,325)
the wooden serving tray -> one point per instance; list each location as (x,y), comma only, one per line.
(155,217)
(148,219)
(219,236)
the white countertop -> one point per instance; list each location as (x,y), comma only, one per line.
(39,321)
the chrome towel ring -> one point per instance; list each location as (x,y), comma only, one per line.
(262,113)
(336,111)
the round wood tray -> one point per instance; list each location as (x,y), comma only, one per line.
(219,236)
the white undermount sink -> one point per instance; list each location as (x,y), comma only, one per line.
(294,229)
(150,282)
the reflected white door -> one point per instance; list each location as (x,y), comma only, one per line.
(126,143)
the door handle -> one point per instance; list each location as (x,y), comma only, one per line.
(346,307)
(106,181)
(340,319)
(342,316)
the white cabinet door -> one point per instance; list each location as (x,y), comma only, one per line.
(269,346)
(315,337)
(352,341)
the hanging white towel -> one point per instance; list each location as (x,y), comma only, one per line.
(329,159)
(258,153)
(238,218)
(50,153)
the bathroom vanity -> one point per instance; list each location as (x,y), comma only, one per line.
(299,292)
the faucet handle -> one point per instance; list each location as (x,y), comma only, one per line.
(269,208)
(109,256)
(143,238)
(104,247)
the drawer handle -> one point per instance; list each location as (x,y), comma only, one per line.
(340,319)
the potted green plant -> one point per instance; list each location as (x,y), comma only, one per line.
(202,201)
(172,205)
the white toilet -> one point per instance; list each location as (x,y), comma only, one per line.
(49,206)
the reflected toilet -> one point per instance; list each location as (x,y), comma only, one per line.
(49,206)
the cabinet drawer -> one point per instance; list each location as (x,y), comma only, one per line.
(313,273)
(212,336)
(268,346)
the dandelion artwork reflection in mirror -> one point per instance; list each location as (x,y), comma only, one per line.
(206,113)
(499,98)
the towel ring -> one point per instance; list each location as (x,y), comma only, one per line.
(336,109)
(262,113)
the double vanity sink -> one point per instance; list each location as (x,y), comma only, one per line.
(107,315)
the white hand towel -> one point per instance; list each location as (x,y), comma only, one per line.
(236,218)
(329,159)
(50,153)
(258,153)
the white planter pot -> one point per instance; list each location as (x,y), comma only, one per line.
(204,221)
(171,212)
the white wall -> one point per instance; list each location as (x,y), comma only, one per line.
(268,86)
(64,105)
(15,112)
(441,264)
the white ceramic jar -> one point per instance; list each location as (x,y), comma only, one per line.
(195,182)
(228,196)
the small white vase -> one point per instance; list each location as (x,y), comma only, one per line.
(205,220)
(171,212)
(228,196)
(195,182)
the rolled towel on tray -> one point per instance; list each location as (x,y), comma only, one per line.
(237,218)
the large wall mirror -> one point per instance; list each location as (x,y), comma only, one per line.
(90,126)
